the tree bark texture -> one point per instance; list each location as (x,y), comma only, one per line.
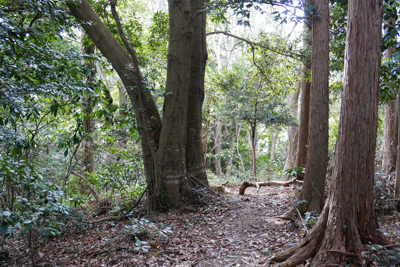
(194,143)
(217,148)
(232,149)
(273,144)
(253,127)
(390,136)
(348,219)
(293,132)
(304,101)
(88,123)
(397,182)
(313,190)
(171,152)
(123,100)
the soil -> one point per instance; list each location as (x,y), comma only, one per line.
(211,230)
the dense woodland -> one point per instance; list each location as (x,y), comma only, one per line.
(191,133)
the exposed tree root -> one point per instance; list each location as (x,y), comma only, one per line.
(306,248)
(318,244)
(257,185)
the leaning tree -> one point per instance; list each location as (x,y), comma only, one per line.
(348,219)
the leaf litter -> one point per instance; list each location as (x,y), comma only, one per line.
(215,230)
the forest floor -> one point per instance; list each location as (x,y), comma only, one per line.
(214,230)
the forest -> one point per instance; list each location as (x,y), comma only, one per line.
(199,133)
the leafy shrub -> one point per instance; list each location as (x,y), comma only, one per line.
(28,199)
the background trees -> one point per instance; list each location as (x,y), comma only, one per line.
(56,111)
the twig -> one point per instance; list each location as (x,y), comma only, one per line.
(137,202)
(391,245)
(301,218)
(201,183)
(94,253)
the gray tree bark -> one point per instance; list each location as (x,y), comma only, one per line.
(194,143)
(293,133)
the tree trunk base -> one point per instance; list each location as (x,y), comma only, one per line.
(328,248)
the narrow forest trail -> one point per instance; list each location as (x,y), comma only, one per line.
(223,230)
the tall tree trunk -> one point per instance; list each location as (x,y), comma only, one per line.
(171,158)
(253,150)
(88,123)
(232,149)
(397,182)
(293,132)
(205,135)
(194,144)
(390,135)
(217,148)
(348,219)
(304,101)
(313,190)
(389,138)
(123,100)
(273,145)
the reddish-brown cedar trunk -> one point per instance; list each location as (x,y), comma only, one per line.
(313,190)
(348,219)
(304,102)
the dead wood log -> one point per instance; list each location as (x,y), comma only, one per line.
(221,188)
(257,185)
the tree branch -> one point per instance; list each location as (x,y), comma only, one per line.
(253,44)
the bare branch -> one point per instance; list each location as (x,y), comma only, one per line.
(254,44)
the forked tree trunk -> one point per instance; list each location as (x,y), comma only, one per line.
(313,190)
(194,142)
(348,219)
(304,102)
(121,61)
(163,148)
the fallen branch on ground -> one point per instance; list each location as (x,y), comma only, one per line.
(257,185)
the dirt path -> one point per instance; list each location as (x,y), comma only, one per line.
(223,231)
